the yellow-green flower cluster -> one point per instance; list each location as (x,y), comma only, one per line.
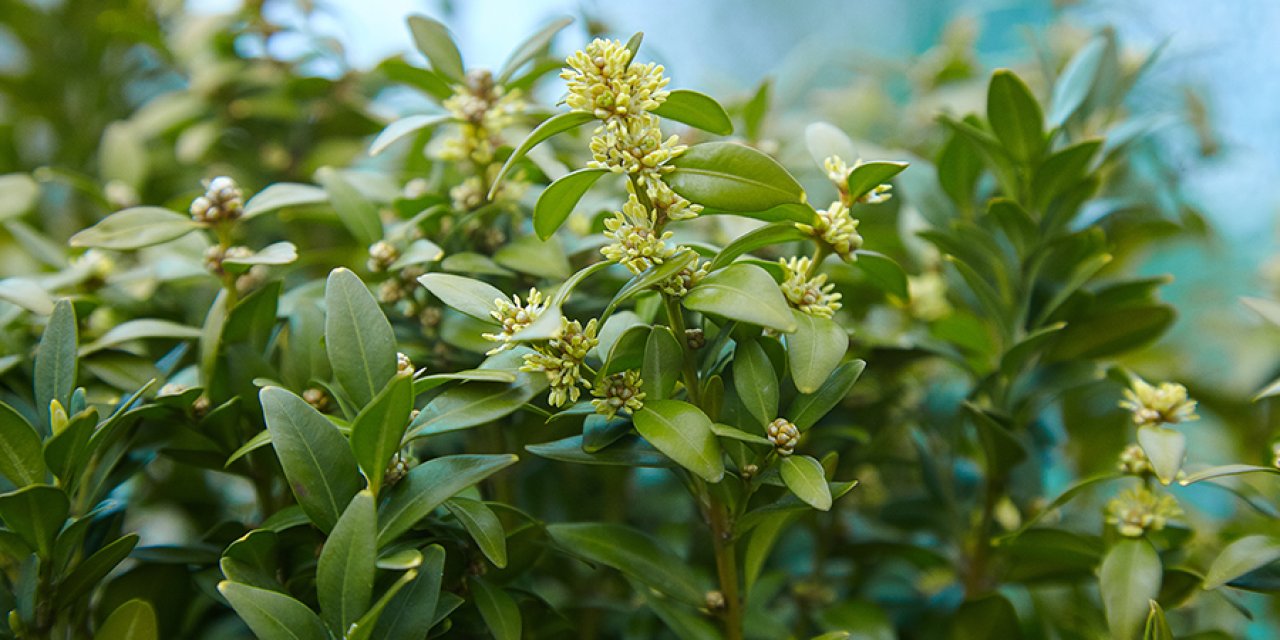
(1140,510)
(514,315)
(484,109)
(685,279)
(1134,462)
(222,201)
(561,360)
(812,295)
(838,172)
(634,146)
(837,229)
(928,294)
(636,243)
(1154,405)
(669,205)
(617,392)
(603,82)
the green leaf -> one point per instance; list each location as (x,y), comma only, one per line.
(824,140)
(732,177)
(475,298)
(755,381)
(476,403)
(88,573)
(808,408)
(420,251)
(1076,81)
(733,433)
(1157,627)
(21,457)
(755,110)
(1241,557)
(883,272)
(377,431)
(803,476)
(1223,471)
(18,194)
(55,369)
(272,615)
(743,292)
(316,458)
(404,127)
(986,618)
(411,611)
(133,620)
(36,513)
(122,155)
(358,337)
(1111,333)
(650,277)
(428,485)
(355,211)
(632,552)
(544,258)
(25,293)
(364,627)
(763,537)
(531,48)
(1129,580)
(1002,449)
(560,197)
(497,608)
(869,175)
(682,432)
(552,126)
(434,41)
(348,561)
(283,195)
(135,228)
(1166,449)
(1061,171)
(769,235)
(141,329)
(814,350)
(663,362)
(1015,116)
(482,523)
(633,45)
(1027,348)
(628,451)
(696,110)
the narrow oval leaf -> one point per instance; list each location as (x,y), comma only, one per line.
(283,195)
(663,362)
(682,432)
(755,381)
(556,124)
(135,228)
(317,460)
(25,293)
(272,615)
(1015,117)
(133,620)
(428,485)
(1129,579)
(696,110)
(883,272)
(560,197)
(434,41)
(869,175)
(732,177)
(89,572)
(632,552)
(1076,81)
(1241,557)
(803,476)
(628,451)
(475,298)
(1166,449)
(21,456)
(355,211)
(531,48)
(482,523)
(405,127)
(141,329)
(498,610)
(814,350)
(358,337)
(743,292)
(36,513)
(413,609)
(807,408)
(56,357)
(769,235)
(378,429)
(348,561)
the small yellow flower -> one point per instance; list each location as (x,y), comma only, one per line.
(634,146)
(617,392)
(667,204)
(484,110)
(561,360)
(1134,462)
(687,278)
(514,315)
(1138,511)
(928,294)
(837,229)
(837,171)
(603,82)
(812,295)
(636,245)
(1165,404)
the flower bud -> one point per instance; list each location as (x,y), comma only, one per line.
(784,435)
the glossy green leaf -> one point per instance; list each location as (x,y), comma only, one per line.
(355,211)
(560,197)
(133,620)
(696,110)
(403,128)
(497,608)
(1062,170)
(434,41)
(1157,627)
(682,432)
(883,272)
(1129,580)
(742,292)
(272,615)
(428,485)
(358,337)
(475,298)
(377,431)
(345,572)
(732,177)
(1241,557)
(134,229)
(808,408)
(36,513)
(814,350)
(55,369)
(364,628)
(476,403)
(283,195)
(316,459)
(663,363)
(21,456)
(88,573)
(632,552)
(803,476)
(651,277)
(869,175)
(1015,115)
(755,110)
(1076,81)
(767,236)
(140,329)
(755,381)
(482,523)
(1166,449)
(761,542)
(550,127)
(628,451)
(411,611)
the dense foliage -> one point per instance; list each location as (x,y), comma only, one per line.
(629,365)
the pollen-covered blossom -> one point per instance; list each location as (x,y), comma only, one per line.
(603,82)
(484,109)
(812,295)
(667,204)
(837,229)
(561,360)
(636,244)
(634,146)
(617,392)
(1140,510)
(514,315)
(685,279)
(1154,405)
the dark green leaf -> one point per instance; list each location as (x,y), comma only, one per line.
(682,432)
(663,362)
(803,476)
(1241,557)
(869,175)
(345,572)
(731,177)
(360,342)
(814,350)
(755,381)
(807,408)
(1015,115)
(377,430)
(316,459)
(272,615)
(883,272)
(1129,580)
(1157,627)
(632,552)
(1002,449)
(482,523)
(413,609)
(560,197)
(36,513)
(55,370)
(498,610)
(428,485)
(556,124)
(86,575)
(986,618)
(21,457)
(696,110)
(628,451)
(769,235)
(742,292)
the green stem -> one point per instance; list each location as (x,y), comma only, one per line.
(675,317)
(726,566)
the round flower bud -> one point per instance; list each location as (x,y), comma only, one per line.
(381,255)
(784,436)
(695,338)
(403,364)
(317,398)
